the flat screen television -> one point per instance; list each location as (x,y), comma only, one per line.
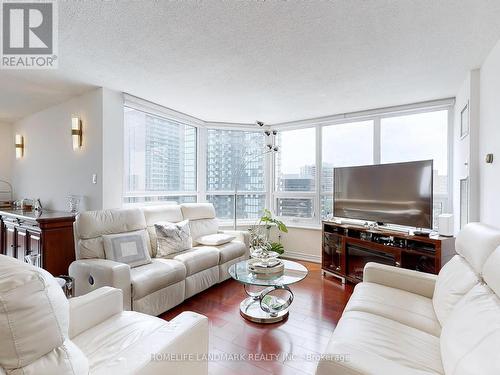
(398,193)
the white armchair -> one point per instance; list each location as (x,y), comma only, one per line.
(44,333)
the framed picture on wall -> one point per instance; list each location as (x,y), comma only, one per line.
(464,122)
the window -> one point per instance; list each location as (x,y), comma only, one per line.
(295,171)
(160,159)
(236,156)
(296,161)
(162,162)
(419,137)
(343,145)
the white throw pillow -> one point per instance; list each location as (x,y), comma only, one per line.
(172,238)
(215,239)
(130,248)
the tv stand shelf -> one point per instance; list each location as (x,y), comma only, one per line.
(347,248)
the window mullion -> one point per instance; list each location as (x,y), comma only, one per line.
(201,169)
(319,169)
(377,152)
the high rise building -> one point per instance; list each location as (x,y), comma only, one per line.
(160,156)
(232,153)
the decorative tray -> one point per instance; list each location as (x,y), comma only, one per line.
(272,266)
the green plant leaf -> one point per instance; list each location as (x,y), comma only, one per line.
(277,247)
(282,227)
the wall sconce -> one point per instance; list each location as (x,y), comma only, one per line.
(19,146)
(76,132)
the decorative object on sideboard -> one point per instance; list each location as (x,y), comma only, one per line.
(6,194)
(37,206)
(76,132)
(489,158)
(19,146)
(28,204)
(74,203)
(271,148)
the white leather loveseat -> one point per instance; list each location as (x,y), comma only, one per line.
(406,322)
(43,333)
(165,282)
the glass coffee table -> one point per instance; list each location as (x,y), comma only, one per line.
(265,306)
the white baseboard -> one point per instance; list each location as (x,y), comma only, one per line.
(302,256)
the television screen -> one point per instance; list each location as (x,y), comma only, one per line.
(399,193)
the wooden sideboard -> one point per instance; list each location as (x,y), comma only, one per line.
(48,234)
(347,248)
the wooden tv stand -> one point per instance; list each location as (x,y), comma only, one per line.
(347,248)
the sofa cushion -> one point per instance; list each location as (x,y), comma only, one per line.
(34,323)
(196,211)
(230,251)
(476,242)
(156,275)
(471,336)
(198,259)
(455,279)
(203,227)
(130,248)
(413,350)
(408,308)
(172,238)
(91,225)
(154,214)
(216,239)
(491,271)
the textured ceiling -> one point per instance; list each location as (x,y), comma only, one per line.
(237,61)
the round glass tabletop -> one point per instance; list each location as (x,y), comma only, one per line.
(292,273)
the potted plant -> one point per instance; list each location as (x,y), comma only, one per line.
(260,234)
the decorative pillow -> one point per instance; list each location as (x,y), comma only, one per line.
(172,238)
(130,248)
(215,239)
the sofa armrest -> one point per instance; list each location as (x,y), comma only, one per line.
(176,347)
(93,308)
(241,235)
(411,281)
(91,274)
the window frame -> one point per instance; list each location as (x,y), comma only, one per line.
(152,109)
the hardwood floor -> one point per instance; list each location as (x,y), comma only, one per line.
(288,347)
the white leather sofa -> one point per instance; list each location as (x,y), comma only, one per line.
(43,333)
(405,322)
(165,282)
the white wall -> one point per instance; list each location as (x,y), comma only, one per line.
(112,143)
(465,149)
(302,243)
(489,138)
(6,151)
(51,169)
